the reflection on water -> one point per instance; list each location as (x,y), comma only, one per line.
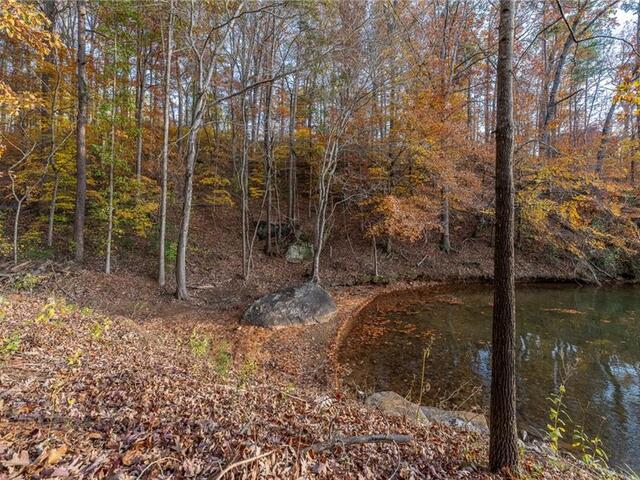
(587,338)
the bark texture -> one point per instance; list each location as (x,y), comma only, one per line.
(503,450)
(165,149)
(81,131)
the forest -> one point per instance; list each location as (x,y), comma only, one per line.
(167,165)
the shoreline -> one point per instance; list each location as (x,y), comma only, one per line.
(299,365)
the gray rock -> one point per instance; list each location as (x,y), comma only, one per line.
(300,305)
(299,252)
(392,404)
(471,421)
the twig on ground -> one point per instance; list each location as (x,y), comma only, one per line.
(242,462)
(357,440)
(153,463)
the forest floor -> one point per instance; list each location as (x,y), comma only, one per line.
(107,376)
(189,394)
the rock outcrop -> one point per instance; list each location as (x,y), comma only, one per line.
(299,252)
(393,404)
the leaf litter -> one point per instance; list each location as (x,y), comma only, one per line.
(86,396)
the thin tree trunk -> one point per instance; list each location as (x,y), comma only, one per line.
(81,130)
(203,87)
(446,238)
(268,153)
(325,179)
(107,265)
(487,94)
(56,173)
(16,225)
(187,192)
(551,106)
(375,256)
(51,13)
(244,191)
(268,163)
(604,138)
(503,448)
(140,89)
(324,187)
(292,154)
(52,208)
(165,150)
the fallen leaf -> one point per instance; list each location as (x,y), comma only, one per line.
(56,454)
(18,460)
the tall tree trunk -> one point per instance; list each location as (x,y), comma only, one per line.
(165,149)
(187,192)
(203,87)
(503,448)
(107,266)
(268,163)
(293,103)
(552,104)
(81,131)
(51,13)
(632,166)
(324,188)
(140,89)
(325,180)
(268,153)
(244,190)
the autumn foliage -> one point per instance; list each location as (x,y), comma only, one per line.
(403,92)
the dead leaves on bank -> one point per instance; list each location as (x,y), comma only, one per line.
(131,401)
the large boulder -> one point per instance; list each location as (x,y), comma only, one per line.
(300,305)
(299,252)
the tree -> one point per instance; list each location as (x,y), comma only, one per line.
(112,156)
(165,147)
(81,133)
(503,448)
(22,24)
(203,88)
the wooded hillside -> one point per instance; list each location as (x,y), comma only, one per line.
(124,126)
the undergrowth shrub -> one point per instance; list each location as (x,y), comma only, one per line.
(26,282)
(222,360)
(199,344)
(10,344)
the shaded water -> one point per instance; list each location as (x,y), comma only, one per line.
(586,338)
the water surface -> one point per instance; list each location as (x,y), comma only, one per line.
(585,338)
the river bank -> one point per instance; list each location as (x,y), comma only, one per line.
(81,398)
(297,366)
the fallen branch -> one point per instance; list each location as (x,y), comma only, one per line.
(358,440)
(242,462)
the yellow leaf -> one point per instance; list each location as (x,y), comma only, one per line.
(56,454)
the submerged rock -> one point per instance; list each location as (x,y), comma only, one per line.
(393,404)
(300,305)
